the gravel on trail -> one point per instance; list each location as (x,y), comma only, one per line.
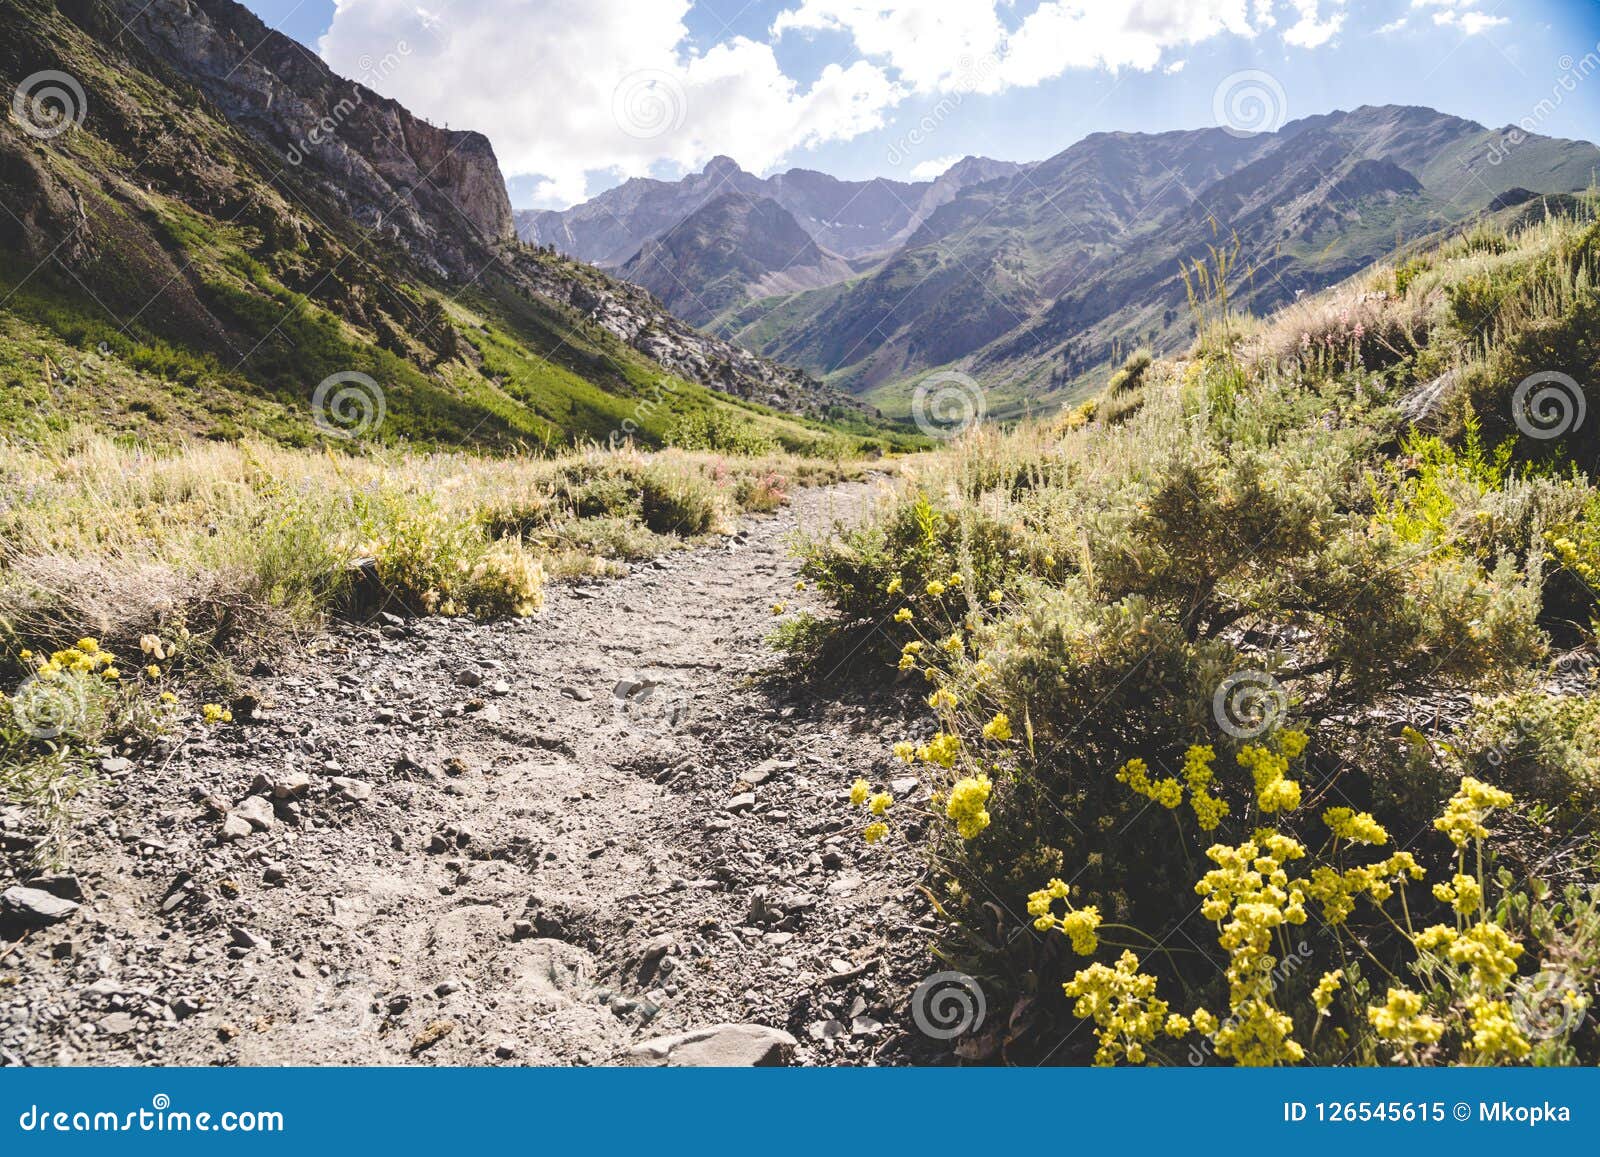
(606,834)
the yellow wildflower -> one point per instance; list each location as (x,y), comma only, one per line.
(966,805)
(880,803)
(858,792)
(998,728)
(1322,995)
(903,615)
(1359,827)
(874,831)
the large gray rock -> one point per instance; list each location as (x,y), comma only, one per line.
(35,905)
(727,1046)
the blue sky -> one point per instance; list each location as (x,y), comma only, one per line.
(576,95)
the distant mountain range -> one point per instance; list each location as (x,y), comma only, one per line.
(1031,276)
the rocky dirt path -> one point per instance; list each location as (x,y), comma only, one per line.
(545,841)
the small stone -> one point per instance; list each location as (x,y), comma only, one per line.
(468,677)
(865,1026)
(242,937)
(719,1046)
(905,785)
(291,785)
(345,789)
(35,906)
(257,812)
(825,1030)
(446,987)
(581,694)
(505,1050)
(435,1032)
(744,801)
(185,1007)
(235,828)
(61,884)
(117,1024)
(501,687)
(116,765)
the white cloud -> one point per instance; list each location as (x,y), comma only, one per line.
(1462,14)
(963,45)
(928,170)
(564,88)
(1311,29)
(1175,67)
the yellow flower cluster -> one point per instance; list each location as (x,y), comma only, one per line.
(1463,893)
(214,713)
(1078,924)
(1250,896)
(1400,1019)
(909,653)
(1337,891)
(1168,791)
(998,729)
(1357,827)
(1322,995)
(83,658)
(935,588)
(1135,773)
(943,698)
(942,749)
(967,804)
(877,804)
(1468,808)
(903,615)
(1197,773)
(1275,791)
(1122,1002)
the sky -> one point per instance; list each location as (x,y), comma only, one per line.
(579,95)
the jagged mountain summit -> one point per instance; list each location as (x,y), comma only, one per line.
(855,219)
(215,205)
(1031,276)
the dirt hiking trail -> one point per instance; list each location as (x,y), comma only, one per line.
(554,840)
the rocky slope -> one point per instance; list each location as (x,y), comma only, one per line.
(216,205)
(728,251)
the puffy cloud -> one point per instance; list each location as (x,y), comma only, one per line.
(935,167)
(1462,14)
(565,88)
(964,46)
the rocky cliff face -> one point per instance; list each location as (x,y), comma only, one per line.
(437,191)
